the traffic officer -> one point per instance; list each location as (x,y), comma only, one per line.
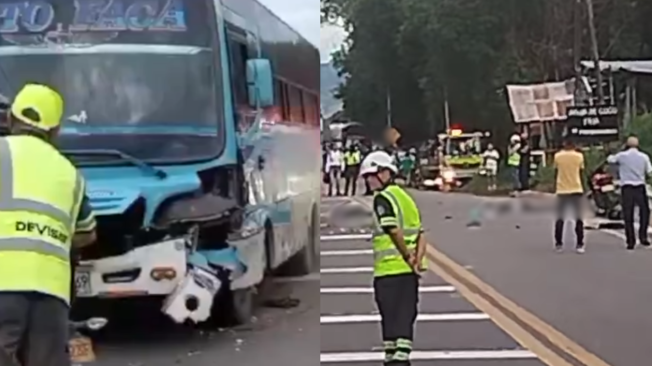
(43,213)
(352,159)
(514,162)
(399,249)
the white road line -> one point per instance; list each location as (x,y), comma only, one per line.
(370,290)
(345,237)
(340,253)
(313,277)
(374,318)
(615,233)
(429,355)
(347,270)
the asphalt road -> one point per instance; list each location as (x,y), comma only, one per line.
(450,330)
(592,307)
(275,337)
(559,309)
(515,302)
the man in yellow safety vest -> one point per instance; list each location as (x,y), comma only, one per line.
(352,159)
(43,213)
(399,257)
(514,162)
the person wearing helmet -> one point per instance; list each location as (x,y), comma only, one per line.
(514,161)
(352,159)
(43,215)
(399,250)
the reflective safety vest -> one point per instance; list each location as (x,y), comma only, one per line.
(387,259)
(40,198)
(514,159)
(352,158)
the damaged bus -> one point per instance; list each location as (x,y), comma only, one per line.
(194,123)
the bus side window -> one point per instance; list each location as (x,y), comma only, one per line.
(238,58)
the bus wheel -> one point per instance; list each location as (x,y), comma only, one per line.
(304,262)
(231,308)
(242,305)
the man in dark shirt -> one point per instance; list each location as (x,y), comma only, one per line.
(524,166)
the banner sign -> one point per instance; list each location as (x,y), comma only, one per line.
(593,124)
(540,102)
(125,21)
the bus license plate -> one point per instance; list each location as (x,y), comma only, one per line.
(83,283)
(81,350)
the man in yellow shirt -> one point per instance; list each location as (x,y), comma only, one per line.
(569,167)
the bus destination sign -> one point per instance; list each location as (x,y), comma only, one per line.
(40,16)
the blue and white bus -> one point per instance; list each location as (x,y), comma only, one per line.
(194,123)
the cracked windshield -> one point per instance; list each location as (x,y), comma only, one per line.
(136,76)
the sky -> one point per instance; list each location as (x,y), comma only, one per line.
(302,15)
(331,39)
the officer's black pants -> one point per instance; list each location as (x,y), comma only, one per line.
(351,179)
(397,298)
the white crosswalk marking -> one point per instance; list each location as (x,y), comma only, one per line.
(431,355)
(369,318)
(370,290)
(350,321)
(347,270)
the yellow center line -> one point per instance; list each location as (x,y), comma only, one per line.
(452,272)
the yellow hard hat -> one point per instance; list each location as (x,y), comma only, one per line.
(39,106)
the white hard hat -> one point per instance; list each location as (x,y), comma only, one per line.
(376,161)
(515,138)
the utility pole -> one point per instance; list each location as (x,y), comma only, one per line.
(389,108)
(447,112)
(577,47)
(447,118)
(594,51)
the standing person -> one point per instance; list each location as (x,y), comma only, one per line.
(43,215)
(569,168)
(524,163)
(399,249)
(334,169)
(352,160)
(514,162)
(491,157)
(408,164)
(633,169)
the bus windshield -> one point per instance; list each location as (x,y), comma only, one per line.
(136,75)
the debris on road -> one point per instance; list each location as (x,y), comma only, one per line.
(282,303)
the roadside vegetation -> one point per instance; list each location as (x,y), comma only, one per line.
(543,180)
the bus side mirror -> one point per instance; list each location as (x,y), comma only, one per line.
(260,83)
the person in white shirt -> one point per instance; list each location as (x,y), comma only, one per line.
(633,169)
(334,169)
(491,157)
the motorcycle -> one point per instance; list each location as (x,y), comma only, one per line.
(605,195)
(80,346)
